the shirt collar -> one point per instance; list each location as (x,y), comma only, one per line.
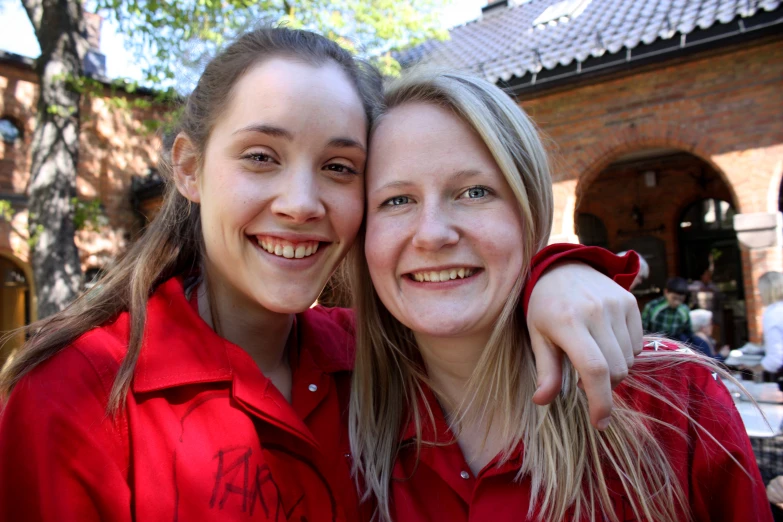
(441,435)
(180,348)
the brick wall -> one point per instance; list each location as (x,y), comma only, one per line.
(726,109)
(115,145)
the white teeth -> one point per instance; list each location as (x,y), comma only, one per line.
(443,275)
(288,250)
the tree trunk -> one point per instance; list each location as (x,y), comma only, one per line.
(60,28)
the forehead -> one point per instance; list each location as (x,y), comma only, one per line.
(425,138)
(292,93)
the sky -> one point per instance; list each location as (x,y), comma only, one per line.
(16,35)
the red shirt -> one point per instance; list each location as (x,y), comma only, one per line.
(441,487)
(205,435)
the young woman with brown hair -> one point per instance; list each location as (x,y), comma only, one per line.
(194,381)
(442,425)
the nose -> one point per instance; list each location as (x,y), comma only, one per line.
(299,198)
(434,230)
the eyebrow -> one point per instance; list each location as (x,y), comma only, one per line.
(343,143)
(460,174)
(279,132)
(269,130)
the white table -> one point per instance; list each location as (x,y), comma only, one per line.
(770,401)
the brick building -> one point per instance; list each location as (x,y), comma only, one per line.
(116,148)
(665,121)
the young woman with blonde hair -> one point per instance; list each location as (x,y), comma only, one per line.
(195,381)
(459,198)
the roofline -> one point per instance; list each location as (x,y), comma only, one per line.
(28,63)
(595,69)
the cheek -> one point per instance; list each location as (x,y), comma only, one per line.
(346,210)
(502,246)
(381,241)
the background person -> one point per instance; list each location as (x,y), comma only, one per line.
(701,322)
(771,290)
(668,315)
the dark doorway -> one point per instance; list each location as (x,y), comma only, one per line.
(710,258)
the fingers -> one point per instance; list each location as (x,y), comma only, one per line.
(591,364)
(633,319)
(610,339)
(549,368)
(594,374)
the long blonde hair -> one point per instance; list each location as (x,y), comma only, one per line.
(565,458)
(172,244)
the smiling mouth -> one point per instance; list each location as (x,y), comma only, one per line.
(287,249)
(440,276)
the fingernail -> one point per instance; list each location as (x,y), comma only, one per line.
(604,423)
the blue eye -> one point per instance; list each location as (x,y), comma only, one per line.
(396,201)
(476,192)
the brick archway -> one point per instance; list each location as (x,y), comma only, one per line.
(586,165)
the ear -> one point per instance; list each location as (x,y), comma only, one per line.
(184,162)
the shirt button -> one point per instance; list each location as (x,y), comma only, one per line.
(465,475)
(312,388)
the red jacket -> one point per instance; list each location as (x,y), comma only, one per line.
(441,487)
(205,436)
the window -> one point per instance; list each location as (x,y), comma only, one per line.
(9,132)
(708,214)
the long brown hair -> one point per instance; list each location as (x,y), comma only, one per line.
(172,243)
(565,458)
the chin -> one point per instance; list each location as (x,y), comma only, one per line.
(454,328)
(283,302)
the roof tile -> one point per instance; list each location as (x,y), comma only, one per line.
(504,43)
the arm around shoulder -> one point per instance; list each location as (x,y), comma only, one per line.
(61,456)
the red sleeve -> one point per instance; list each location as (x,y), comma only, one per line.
(622,270)
(61,457)
(720,490)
